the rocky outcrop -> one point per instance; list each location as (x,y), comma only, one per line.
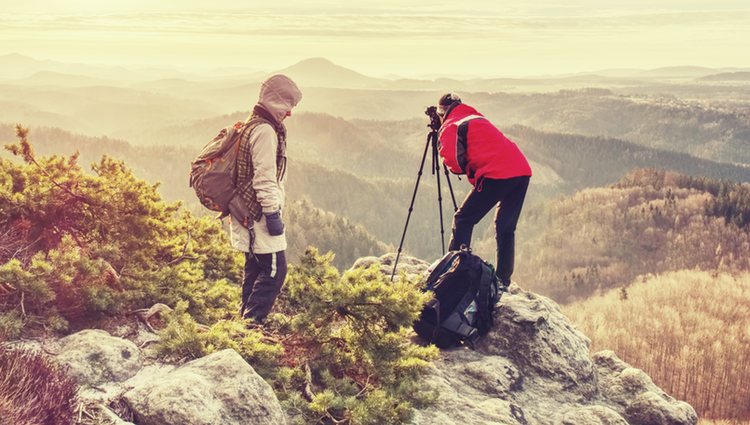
(94,357)
(220,388)
(534,368)
(636,396)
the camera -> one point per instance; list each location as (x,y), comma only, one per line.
(435,121)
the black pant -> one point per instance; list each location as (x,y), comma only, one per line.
(261,284)
(510,194)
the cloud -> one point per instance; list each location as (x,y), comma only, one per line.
(406,37)
(373,26)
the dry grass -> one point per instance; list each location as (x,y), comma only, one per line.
(34,391)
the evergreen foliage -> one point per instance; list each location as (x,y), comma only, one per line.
(102,243)
(185,339)
(351,332)
(337,350)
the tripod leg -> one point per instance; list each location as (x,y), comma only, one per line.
(450,188)
(411,206)
(436,170)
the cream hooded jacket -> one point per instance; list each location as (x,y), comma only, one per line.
(278,95)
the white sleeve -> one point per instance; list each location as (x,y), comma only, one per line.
(264,143)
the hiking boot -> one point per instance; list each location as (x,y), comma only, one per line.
(253,324)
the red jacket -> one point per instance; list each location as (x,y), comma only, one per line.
(470,144)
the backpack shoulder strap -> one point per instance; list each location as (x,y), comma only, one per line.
(486,299)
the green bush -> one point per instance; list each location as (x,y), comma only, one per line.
(99,244)
(184,338)
(351,344)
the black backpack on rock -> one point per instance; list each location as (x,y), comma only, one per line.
(466,292)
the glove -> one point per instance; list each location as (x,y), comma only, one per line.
(274,223)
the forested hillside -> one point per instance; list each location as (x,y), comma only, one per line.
(652,221)
(713,130)
(687,329)
(583,161)
(364,171)
(308,226)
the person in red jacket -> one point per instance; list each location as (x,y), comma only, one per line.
(470,144)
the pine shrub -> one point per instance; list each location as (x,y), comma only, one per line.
(351,345)
(93,245)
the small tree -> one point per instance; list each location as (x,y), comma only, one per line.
(102,242)
(352,349)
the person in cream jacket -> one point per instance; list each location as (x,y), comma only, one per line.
(261,174)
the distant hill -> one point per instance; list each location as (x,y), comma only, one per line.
(320,72)
(365,171)
(711,131)
(58,79)
(583,161)
(727,76)
(677,71)
(17,66)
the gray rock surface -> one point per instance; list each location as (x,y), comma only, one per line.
(636,396)
(592,415)
(530,330)
(413,267)
(534,368)
(94,357)
(220,388)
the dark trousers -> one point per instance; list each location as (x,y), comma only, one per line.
(261,284)
(509,194)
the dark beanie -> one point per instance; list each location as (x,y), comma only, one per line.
(448,99)
(446,104)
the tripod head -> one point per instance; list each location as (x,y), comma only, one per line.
(435,121)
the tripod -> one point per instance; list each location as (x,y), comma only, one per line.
(432,141)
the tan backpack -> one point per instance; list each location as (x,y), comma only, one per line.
(213,173)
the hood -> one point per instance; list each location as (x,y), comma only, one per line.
(278,95)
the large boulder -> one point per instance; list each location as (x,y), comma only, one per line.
(636,396)
(472,389)
(534,367)
(532,331)
(220,388)
(94,357)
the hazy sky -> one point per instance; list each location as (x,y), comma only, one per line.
(382,37)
